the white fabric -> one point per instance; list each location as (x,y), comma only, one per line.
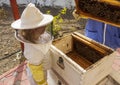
(30,77)
(44,38)
(47,61)
(52,79)
(27,16)
(37,53)
(32,18)
(36,56)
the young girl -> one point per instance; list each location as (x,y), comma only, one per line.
(30,30)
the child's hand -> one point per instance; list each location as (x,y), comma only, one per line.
(116,63)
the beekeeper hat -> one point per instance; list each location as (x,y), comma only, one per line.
(32,18)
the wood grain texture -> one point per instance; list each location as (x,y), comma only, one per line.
(79,70)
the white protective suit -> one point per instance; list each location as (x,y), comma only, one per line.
(38,57)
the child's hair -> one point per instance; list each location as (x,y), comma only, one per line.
(27,34)
(32,35)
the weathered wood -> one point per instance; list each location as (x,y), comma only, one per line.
(77,68)
(79,59)
(108,81)
(90,44)
(115,75)
(72,71)
(104,47)
(99,70)
(64,44)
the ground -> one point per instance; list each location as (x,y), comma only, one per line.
(10,48)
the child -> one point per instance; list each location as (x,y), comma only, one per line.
(30,30)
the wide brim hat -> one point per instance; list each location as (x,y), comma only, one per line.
(32,18)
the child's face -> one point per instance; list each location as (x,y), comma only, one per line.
(39,31)
(33,35)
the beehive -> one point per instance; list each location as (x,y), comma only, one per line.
(107,11)
(79,60)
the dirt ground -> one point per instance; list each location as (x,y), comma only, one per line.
(10,48)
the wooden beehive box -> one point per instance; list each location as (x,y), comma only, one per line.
(78,60)
(107,11)
(115,75)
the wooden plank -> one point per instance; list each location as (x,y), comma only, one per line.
(108,81)
(108,49)
(99,70)
(115,75)
(64,44)
(85,72)
(79,59)
(103,81)
(90,44)
(72,71)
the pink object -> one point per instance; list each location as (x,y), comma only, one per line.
(17,76)
(116,62)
